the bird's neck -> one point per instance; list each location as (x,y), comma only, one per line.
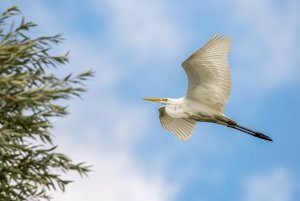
(174,108)
(174,101)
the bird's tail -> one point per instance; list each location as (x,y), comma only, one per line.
(232,124)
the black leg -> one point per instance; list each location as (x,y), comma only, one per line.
(251,132)
(232,124)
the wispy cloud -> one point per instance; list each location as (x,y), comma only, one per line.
(276,185)
(116,177)
(269,42)
(144,28)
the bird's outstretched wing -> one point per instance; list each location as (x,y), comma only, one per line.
(183,128)
(208,73)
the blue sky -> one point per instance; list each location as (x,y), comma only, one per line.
(136,49)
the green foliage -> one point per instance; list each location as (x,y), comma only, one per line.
(29,97)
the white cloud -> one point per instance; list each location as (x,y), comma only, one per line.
(144,28)
(269,42)
(115,177)
(276,185)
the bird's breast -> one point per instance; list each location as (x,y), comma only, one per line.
(177,111)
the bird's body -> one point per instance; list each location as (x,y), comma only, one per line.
(208,91)
(184,108)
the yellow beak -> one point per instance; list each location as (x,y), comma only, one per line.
(154,99)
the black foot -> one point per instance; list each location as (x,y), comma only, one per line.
(262,136)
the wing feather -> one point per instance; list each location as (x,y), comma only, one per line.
(181,127)
(208,73)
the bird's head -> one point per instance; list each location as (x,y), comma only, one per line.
(159,100)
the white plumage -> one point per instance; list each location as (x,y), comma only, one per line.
(208,73)
(209,86)
(182,127)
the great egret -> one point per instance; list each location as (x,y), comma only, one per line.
(208,90)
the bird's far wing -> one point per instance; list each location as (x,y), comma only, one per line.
(208,73)
(183,128)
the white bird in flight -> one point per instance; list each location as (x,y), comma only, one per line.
(208,90)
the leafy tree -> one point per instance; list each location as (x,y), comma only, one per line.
(30,97)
